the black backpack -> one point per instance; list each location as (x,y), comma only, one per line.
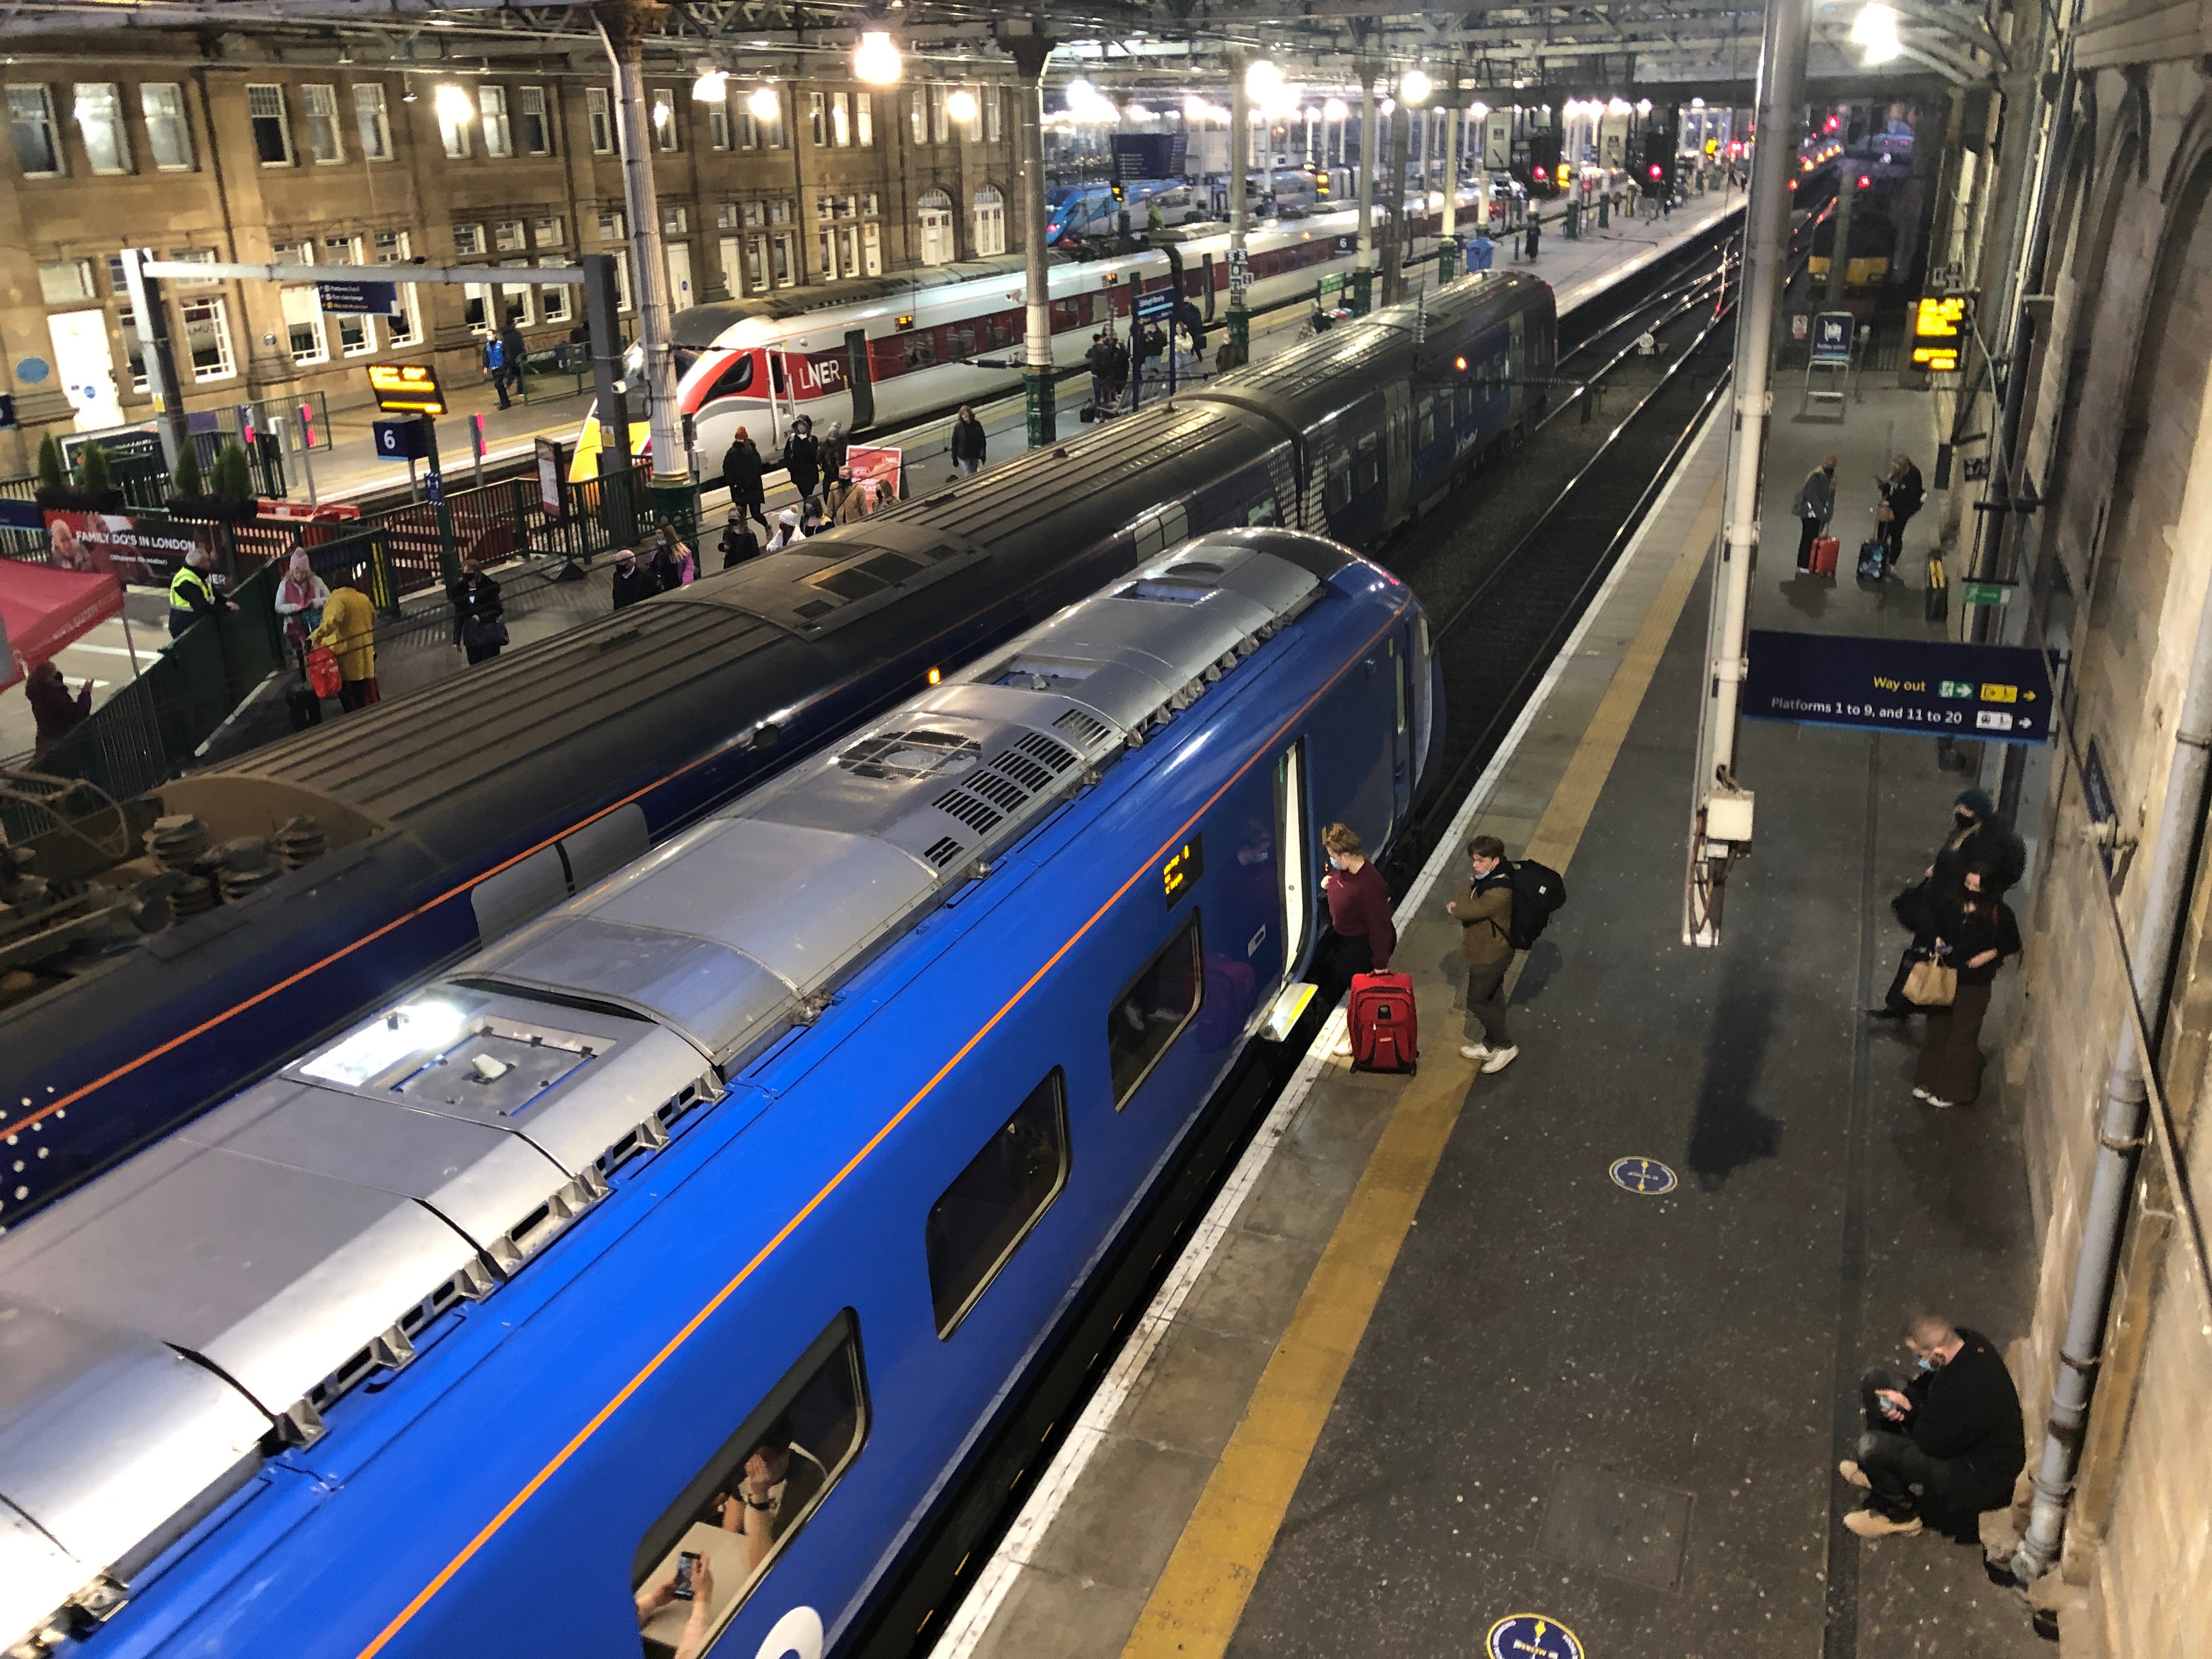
(1538,890)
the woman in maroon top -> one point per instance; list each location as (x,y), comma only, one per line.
(1358,910)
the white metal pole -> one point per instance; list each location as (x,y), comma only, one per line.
(1781,106)
(622,26)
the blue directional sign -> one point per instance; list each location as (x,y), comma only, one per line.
(1999,693)
(1832,336)
(433,486)
(1647,1177)
(369,299)
(1156,306)
(1531,1636)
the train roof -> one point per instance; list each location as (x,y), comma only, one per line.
(213,1296)
(703,325)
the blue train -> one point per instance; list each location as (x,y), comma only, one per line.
(646,1277)
(454,815)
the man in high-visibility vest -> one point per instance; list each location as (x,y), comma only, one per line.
(191,594)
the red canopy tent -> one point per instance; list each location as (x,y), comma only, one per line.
(44,607)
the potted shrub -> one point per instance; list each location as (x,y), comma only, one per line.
(188,491)
(56,489)
(232,486)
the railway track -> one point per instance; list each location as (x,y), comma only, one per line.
(1520,545)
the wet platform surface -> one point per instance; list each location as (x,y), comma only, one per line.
(1428,1366)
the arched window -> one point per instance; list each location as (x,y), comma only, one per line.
(938,239)
(990,222)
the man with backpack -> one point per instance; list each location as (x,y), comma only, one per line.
(1505,909)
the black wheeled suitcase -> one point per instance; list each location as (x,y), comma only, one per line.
(1874,555)
(301,703)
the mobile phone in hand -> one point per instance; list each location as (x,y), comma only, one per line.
(685,1565)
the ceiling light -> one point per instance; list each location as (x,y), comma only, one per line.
(1194,107)
(1416,87)
(1478,110)
(762,101)
(876,60)
(1386,105)
(1138,113)
(960,105)
(454,106)
(1262,77)
(713,86)
(1335,110)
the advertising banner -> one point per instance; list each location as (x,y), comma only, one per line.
(145,552)
(877,467)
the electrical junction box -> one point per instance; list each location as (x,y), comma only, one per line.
(1727,816)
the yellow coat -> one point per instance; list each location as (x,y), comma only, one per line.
(350,629)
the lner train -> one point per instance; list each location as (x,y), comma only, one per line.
(455,814)
(685,1242)
(883,349)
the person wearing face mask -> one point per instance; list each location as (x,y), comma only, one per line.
(1815,506)
(1979,837)
(1941,1444)
(1975,933)
(1358,910)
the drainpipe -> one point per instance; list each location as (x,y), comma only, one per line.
(2125,1118)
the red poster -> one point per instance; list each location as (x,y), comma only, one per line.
(144,552)
(877,467)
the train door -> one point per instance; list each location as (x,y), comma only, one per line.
(1292,856)
(856,377)
(1517,366)
(1206,270)
(1402,734)
(1398,449)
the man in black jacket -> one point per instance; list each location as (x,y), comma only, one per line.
(1942,1445)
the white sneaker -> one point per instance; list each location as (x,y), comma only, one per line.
(1922,1094)
(1343,1049)
(1938,1100)
(1499,1060)
(1473,1051)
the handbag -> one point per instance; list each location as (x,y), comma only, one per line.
(1882,513)
(323,671)
(1931,984)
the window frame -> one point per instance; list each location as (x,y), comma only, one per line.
(118,127)
(1192,928)
(372,121)
(599,117)
(219,312)
(492,121)
(1056,1081)
(331,118)
(864,120)
(718,122)
(541,116)
(842,1335)
(477,231)
(668,130)
(43,120)
(840,121)
(319,351)
(81,269)
(283,118)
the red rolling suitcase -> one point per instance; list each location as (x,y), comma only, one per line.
(1825,549)
(1385,1030)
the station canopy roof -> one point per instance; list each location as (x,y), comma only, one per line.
(1151,52)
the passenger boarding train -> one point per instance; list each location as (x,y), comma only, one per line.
(457,813)
(908,346)
(644,1280)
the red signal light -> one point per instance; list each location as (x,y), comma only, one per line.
(1831,124)
(1865,183)
(1656,170)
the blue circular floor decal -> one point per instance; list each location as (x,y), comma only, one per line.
(1531,1636)
(1647,1177)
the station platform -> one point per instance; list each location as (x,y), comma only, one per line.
(1425,1366)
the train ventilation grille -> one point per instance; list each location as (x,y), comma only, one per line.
(1083,728)
(988,796)
(945,851)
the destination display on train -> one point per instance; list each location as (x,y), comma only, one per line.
(1998,693)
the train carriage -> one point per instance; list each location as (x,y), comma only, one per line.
(751,1182)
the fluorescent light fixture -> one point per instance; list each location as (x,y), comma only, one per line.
(1416,87)
(763,102)
(876,60)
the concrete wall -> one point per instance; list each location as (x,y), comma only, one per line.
(230,201)
(2122,561)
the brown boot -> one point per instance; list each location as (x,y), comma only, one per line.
(1873,1523)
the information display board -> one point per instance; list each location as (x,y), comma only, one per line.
(1939,324)
(407,388)
(1943,688)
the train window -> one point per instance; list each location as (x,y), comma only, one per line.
(1263,512)
(1340,479)
(700,1560)
(1427,433)
(735,376)
(922,349)
(989,1208)
(1370,462)
(1152,1010)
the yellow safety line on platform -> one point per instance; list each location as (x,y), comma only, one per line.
(1200,1597)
